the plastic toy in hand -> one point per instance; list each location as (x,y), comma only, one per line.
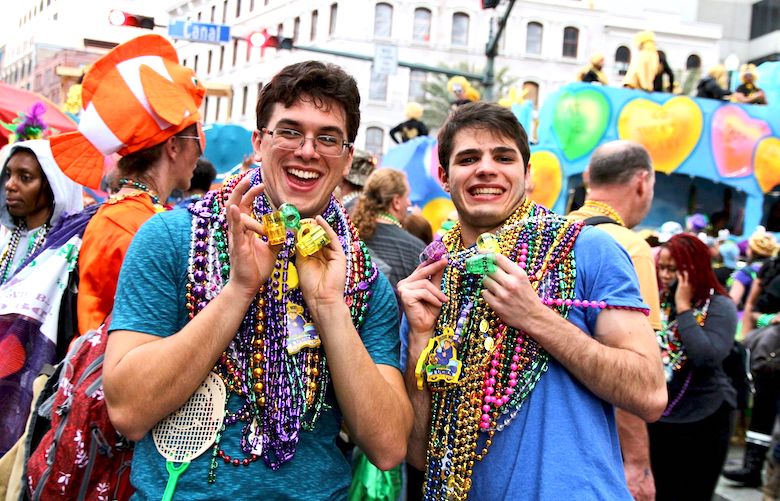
(433,252)
(311,238)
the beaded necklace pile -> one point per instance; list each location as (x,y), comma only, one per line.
(275,367)
(673,351)
(7,258)
(500,365)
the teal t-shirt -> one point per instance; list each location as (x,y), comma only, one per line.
(150,298)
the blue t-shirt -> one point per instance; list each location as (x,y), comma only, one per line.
(563,443)
(150,298)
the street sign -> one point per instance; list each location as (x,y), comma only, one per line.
(199,32)
(385,60)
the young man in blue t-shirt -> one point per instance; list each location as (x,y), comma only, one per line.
(549,341)
(203,291)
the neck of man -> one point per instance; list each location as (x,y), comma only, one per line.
(470,232)
(617,198)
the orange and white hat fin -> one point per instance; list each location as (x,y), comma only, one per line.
(78,158)
(165,98)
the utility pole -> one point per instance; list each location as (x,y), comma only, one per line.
(491,50)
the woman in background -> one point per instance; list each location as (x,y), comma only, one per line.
(688,445)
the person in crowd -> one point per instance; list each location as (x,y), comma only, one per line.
(363,164)
(418,226)
(379,214)
(412,127)
(538,371)
(661,84)
(35,195)
(761,245)
(688,445)
(593,72)
(748,92)
(644,66)
(159,155)
(620,180)
(303,334)
(761,308)
(715,85)
(729,259)
(202,177)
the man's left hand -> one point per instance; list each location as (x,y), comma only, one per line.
(640,481)
(322,275)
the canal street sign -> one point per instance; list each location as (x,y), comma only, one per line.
(199,32)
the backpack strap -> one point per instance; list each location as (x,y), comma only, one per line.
(597,220)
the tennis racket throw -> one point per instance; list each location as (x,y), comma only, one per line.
(191,430)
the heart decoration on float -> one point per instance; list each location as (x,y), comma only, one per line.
(766,163)
(670,131)
(734,137)
(580,121)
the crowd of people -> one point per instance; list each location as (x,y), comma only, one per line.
(303,314)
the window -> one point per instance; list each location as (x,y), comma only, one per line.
(244,98)
(383,20)
(238,8)
(296,29)
(205,108)
(460,29)
(251,5)
(200,15)
(195,64)
(417,81)
(279,29)
(622,59)
(765,18)
(375,137)
(235,51)
(532,93)
(377,88)
(334,10)
(421,29)
(216,112)
(224,11)
(314,18)
(221,57)
(184,62)
(533,38)
(570,41)
(208,64)
(693,62)
(248,51)
(213,13)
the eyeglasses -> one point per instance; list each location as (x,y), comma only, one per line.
(324,144)
(197,138)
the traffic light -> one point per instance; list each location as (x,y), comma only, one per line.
(119,18)
(265,41)
(489,4)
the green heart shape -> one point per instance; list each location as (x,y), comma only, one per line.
(580,121)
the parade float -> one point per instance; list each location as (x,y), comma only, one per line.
(711,157)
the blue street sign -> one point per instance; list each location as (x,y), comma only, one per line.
(199,32)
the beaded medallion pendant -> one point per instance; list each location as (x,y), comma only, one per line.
(500,365)
(276,380)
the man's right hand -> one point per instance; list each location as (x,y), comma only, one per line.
(421,296)
(251,259)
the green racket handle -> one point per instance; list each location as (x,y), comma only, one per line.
(174,472)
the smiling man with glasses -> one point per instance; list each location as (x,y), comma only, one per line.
(227,301)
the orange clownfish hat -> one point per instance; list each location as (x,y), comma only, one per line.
(133,98)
